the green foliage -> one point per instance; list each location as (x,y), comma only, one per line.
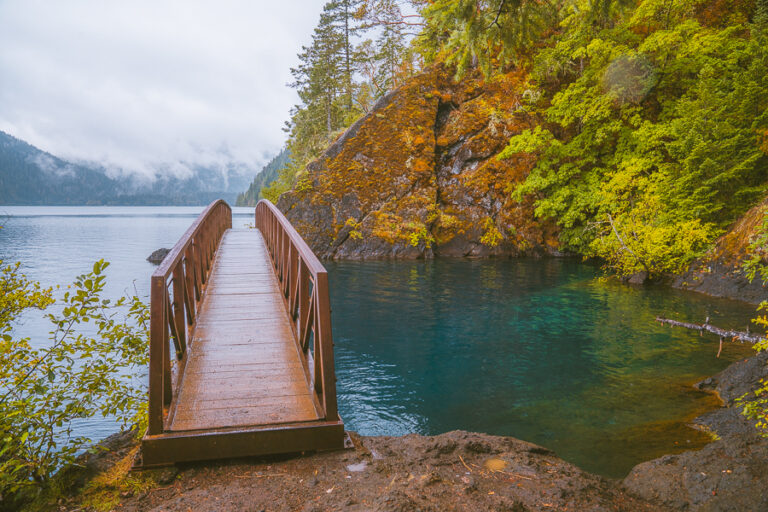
(489,33)
(90,366)
(755,403)
(650,144)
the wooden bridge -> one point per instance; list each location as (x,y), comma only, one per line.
(241,353)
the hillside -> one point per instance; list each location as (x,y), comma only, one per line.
(30,176)
(419,177)
(263,179)
(636,135)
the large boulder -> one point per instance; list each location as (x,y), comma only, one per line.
(418,176)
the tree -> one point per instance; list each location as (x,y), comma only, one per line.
(650,147)
(489,33)
(331,97)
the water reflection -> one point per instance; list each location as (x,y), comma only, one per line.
(542,350)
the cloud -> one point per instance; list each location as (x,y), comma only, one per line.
(151,87)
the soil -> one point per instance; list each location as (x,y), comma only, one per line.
(464,471)
(456,471)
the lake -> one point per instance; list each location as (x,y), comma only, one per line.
(545,350)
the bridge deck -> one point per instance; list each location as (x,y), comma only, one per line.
(244,368)
(246,313)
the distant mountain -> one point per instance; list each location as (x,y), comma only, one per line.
(30,176)
(264,178)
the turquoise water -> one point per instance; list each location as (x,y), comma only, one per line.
(542,350)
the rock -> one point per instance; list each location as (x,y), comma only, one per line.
(728,474)
(741,377)
(638,278)
(721,272)
(417,177)
(158,256)
(167,475)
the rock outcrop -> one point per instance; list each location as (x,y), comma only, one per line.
(418,176)
(158,256)
(720,273)
(728,474)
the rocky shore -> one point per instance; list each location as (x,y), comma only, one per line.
(455,471)
(730,473)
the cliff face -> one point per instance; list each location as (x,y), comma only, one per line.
(417,177)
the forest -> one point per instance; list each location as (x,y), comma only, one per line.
(648,120)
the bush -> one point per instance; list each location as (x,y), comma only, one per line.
(81,373)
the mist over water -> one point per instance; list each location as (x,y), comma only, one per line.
(543,350)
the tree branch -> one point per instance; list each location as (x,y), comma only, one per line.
(624,245)
(498,13)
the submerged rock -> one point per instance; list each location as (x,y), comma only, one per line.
(730,474)
(638,278)
(158,256)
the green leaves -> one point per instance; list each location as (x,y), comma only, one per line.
(492,33)
(653,137)
(76,376)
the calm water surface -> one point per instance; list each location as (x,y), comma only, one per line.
(543,350)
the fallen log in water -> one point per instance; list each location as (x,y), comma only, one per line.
(740,336)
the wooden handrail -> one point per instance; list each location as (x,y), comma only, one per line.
(304,284)
(173,311)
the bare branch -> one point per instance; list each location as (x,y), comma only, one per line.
(626,248)
(498,13)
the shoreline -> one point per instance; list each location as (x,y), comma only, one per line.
(459,470)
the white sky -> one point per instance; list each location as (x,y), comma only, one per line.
(148,84)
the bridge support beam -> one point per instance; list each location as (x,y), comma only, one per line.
(166,449)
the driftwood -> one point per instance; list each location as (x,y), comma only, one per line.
(740,336)
(730,334)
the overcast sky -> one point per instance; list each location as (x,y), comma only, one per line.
(147,84)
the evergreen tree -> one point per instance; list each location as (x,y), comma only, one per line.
(484,32)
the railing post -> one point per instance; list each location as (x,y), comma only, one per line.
(325,348)
(156,330)
(189,286)
(303,298)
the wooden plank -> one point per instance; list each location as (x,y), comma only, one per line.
(206,366)
(168,448)
(244,368)
(232,417)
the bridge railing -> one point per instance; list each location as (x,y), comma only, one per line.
(176,291)
(304,284)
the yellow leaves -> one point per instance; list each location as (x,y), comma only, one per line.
(354,233)
(491,235)
(762,136)
(418,234)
